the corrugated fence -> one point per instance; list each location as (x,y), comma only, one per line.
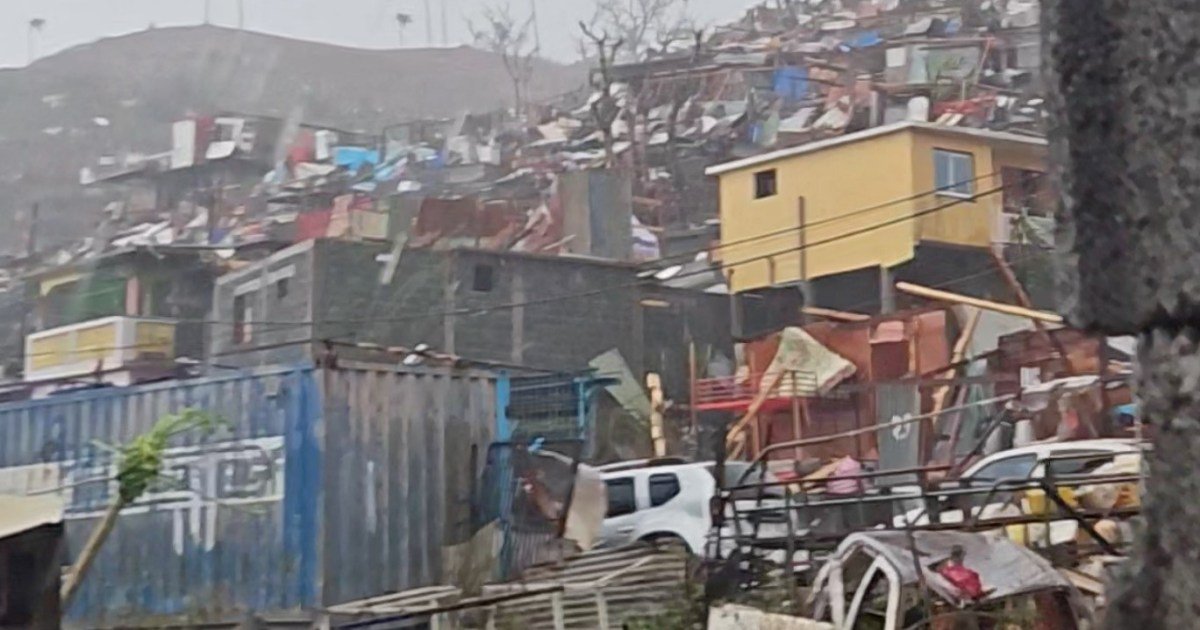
(328,485)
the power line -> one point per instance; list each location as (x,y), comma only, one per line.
(834,219)
(467,312)
(264,347)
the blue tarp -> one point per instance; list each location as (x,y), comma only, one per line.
(354,158)
(865,39)
(791,82)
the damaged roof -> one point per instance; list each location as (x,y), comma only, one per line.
(875,132)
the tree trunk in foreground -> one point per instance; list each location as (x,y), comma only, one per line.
(1124,78)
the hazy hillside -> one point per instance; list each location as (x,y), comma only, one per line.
(120,94)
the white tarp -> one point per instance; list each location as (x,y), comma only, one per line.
(809,368)
(21,514)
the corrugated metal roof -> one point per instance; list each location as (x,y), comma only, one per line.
(623,584)
(874,132)
(631,582)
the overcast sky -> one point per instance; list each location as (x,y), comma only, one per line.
(360,23)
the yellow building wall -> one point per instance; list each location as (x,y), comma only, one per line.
(959,222)
(967,223)
(87,343)
(155,338)
(835,186)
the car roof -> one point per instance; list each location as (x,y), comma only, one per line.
(616,471)
(1049,449)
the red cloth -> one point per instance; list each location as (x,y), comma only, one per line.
(962,578)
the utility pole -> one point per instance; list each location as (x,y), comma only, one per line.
(31,231)
(35,26)
(207,12)
(241,4)
(428,24)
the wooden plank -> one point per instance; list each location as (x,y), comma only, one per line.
(752,411)
(836,315)
(988,305)
(960,351)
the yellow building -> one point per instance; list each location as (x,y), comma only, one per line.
(868,198)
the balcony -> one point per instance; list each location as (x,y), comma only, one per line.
(99,345)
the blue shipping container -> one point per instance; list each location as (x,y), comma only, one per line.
(328,485)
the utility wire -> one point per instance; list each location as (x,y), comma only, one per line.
(472,311)
(270,346)
(834,219)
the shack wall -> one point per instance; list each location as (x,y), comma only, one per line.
(242,538)
(403,451)
(326,484)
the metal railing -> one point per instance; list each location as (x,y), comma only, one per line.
(729,391)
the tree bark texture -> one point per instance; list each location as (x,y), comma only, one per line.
(1124,79)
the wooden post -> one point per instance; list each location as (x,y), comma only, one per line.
(601,610)
(556,607)
(796,426)
(1022,297)
(752,410)
(654,385)
(692,382)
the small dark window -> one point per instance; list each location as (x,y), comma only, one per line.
(663,488)
(620,497)
(765,184)
(484,278)
(281,288)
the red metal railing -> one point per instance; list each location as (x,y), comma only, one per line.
(733,392)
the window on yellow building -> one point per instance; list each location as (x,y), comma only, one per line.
(765,184)
(953,173)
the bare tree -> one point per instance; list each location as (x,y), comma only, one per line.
(512,40)
(642,23)
(604,105)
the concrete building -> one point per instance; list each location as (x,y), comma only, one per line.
(522,310)
(869,200)
(120,318)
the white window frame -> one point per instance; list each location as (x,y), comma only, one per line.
(959,180)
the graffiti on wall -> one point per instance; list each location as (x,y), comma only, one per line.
(197,483)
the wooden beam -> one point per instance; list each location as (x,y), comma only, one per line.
(752,410)
(960,351)
(987,305)
(829,313)
(1018,290)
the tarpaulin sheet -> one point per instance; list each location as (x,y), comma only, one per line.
(808,367)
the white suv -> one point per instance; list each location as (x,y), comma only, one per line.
(671,500)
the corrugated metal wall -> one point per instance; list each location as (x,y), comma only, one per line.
(403,453)
(242,538)
(328,485)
